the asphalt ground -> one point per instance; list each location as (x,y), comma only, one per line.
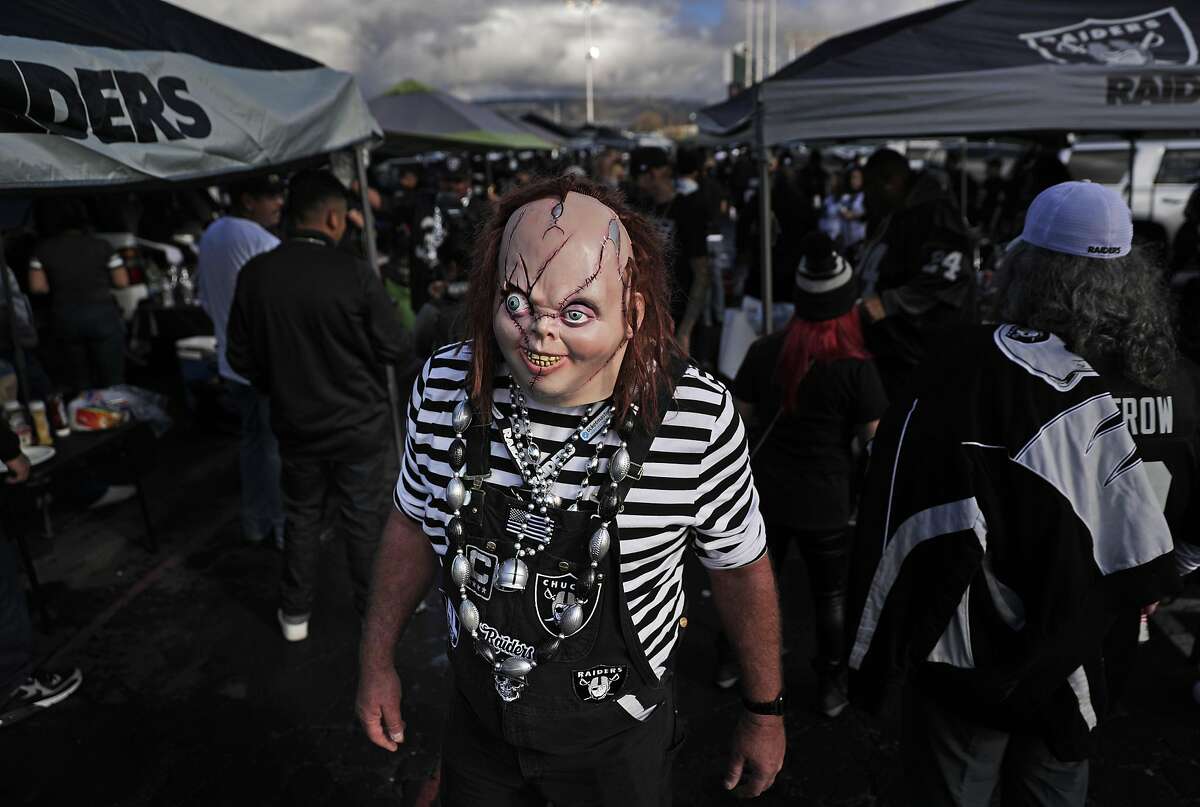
(191,697)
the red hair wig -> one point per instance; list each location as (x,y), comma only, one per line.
(651,349)
(811,341)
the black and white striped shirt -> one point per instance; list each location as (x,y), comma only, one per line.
(696,488)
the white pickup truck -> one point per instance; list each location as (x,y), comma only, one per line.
(1164,174)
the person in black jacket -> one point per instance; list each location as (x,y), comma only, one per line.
(917,270)
(24,691)
(313,328)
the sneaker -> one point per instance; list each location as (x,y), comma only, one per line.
(295,629)
(40,691)
(727,675)
(831,690)
(113,494)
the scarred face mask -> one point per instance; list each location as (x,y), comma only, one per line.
(561,322)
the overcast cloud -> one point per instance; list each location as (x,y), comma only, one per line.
(532,47)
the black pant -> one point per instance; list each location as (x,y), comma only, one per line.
(950,761)
(359,496)
(632,769)
(825,554)
(94,338)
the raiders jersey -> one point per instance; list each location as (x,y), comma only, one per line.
(1165,425)
(1006,521)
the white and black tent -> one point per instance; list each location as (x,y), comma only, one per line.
(97,93)
(987,66)
(981,67)
(139,93)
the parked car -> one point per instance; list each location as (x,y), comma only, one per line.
(1164,174)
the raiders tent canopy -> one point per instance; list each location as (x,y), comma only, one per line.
(986,66)
(419,118)
(107,93)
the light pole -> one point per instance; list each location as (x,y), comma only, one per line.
(593,52)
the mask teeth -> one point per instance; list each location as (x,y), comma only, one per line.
(540,361)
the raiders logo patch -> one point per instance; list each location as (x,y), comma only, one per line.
(602,683)
(553,593)
(1028,336)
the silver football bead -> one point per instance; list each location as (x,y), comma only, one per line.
(513,575)
(599,544)
(462,417)
(553,500)
(485,650)
(468,614)
(456,493)
(516,667)
(571,619)
(460,567)
(618,466)
(533,454)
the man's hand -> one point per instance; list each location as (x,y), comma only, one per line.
(18,469)
(873,307)
(756,756)
(378,707)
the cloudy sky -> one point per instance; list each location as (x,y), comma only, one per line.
(512,48)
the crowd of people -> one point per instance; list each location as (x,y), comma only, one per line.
(988,475)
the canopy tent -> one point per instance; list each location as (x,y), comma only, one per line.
(416,117)
(976,67)
(109,93)
(987,66)
(98,93)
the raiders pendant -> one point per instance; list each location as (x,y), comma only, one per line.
(512,575)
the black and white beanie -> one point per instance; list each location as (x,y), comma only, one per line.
(825,283)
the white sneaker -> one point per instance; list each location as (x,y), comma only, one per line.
(292,631)
(114,494)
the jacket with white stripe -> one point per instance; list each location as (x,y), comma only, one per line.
(1006,521)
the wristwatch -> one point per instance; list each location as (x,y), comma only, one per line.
(775,707)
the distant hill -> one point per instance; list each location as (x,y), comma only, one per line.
(622,113)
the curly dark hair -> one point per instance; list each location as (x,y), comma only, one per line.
(652,347)
(1115,311)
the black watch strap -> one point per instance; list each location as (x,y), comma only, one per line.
(775,707)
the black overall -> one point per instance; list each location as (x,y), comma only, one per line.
(570,703)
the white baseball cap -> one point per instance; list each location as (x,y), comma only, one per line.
(1080,218)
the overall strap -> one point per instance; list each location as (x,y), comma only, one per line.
(637,443)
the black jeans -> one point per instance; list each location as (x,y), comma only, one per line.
(951,762)
(94,337)
(632,769)
(826,553)
(359,494)
(16,633)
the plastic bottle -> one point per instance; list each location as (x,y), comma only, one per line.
(15,416)
(41,423)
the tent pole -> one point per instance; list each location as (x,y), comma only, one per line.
(962,183)
(372,250)
(23,391)
(1132,154)
(764,212)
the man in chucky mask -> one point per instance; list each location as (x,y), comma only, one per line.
(558,466)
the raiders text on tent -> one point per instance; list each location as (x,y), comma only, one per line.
(1165,88)
(117,106)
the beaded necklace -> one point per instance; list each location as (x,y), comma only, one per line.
(536,530)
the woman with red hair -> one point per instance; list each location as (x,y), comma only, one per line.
(558,465)
(807,393)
